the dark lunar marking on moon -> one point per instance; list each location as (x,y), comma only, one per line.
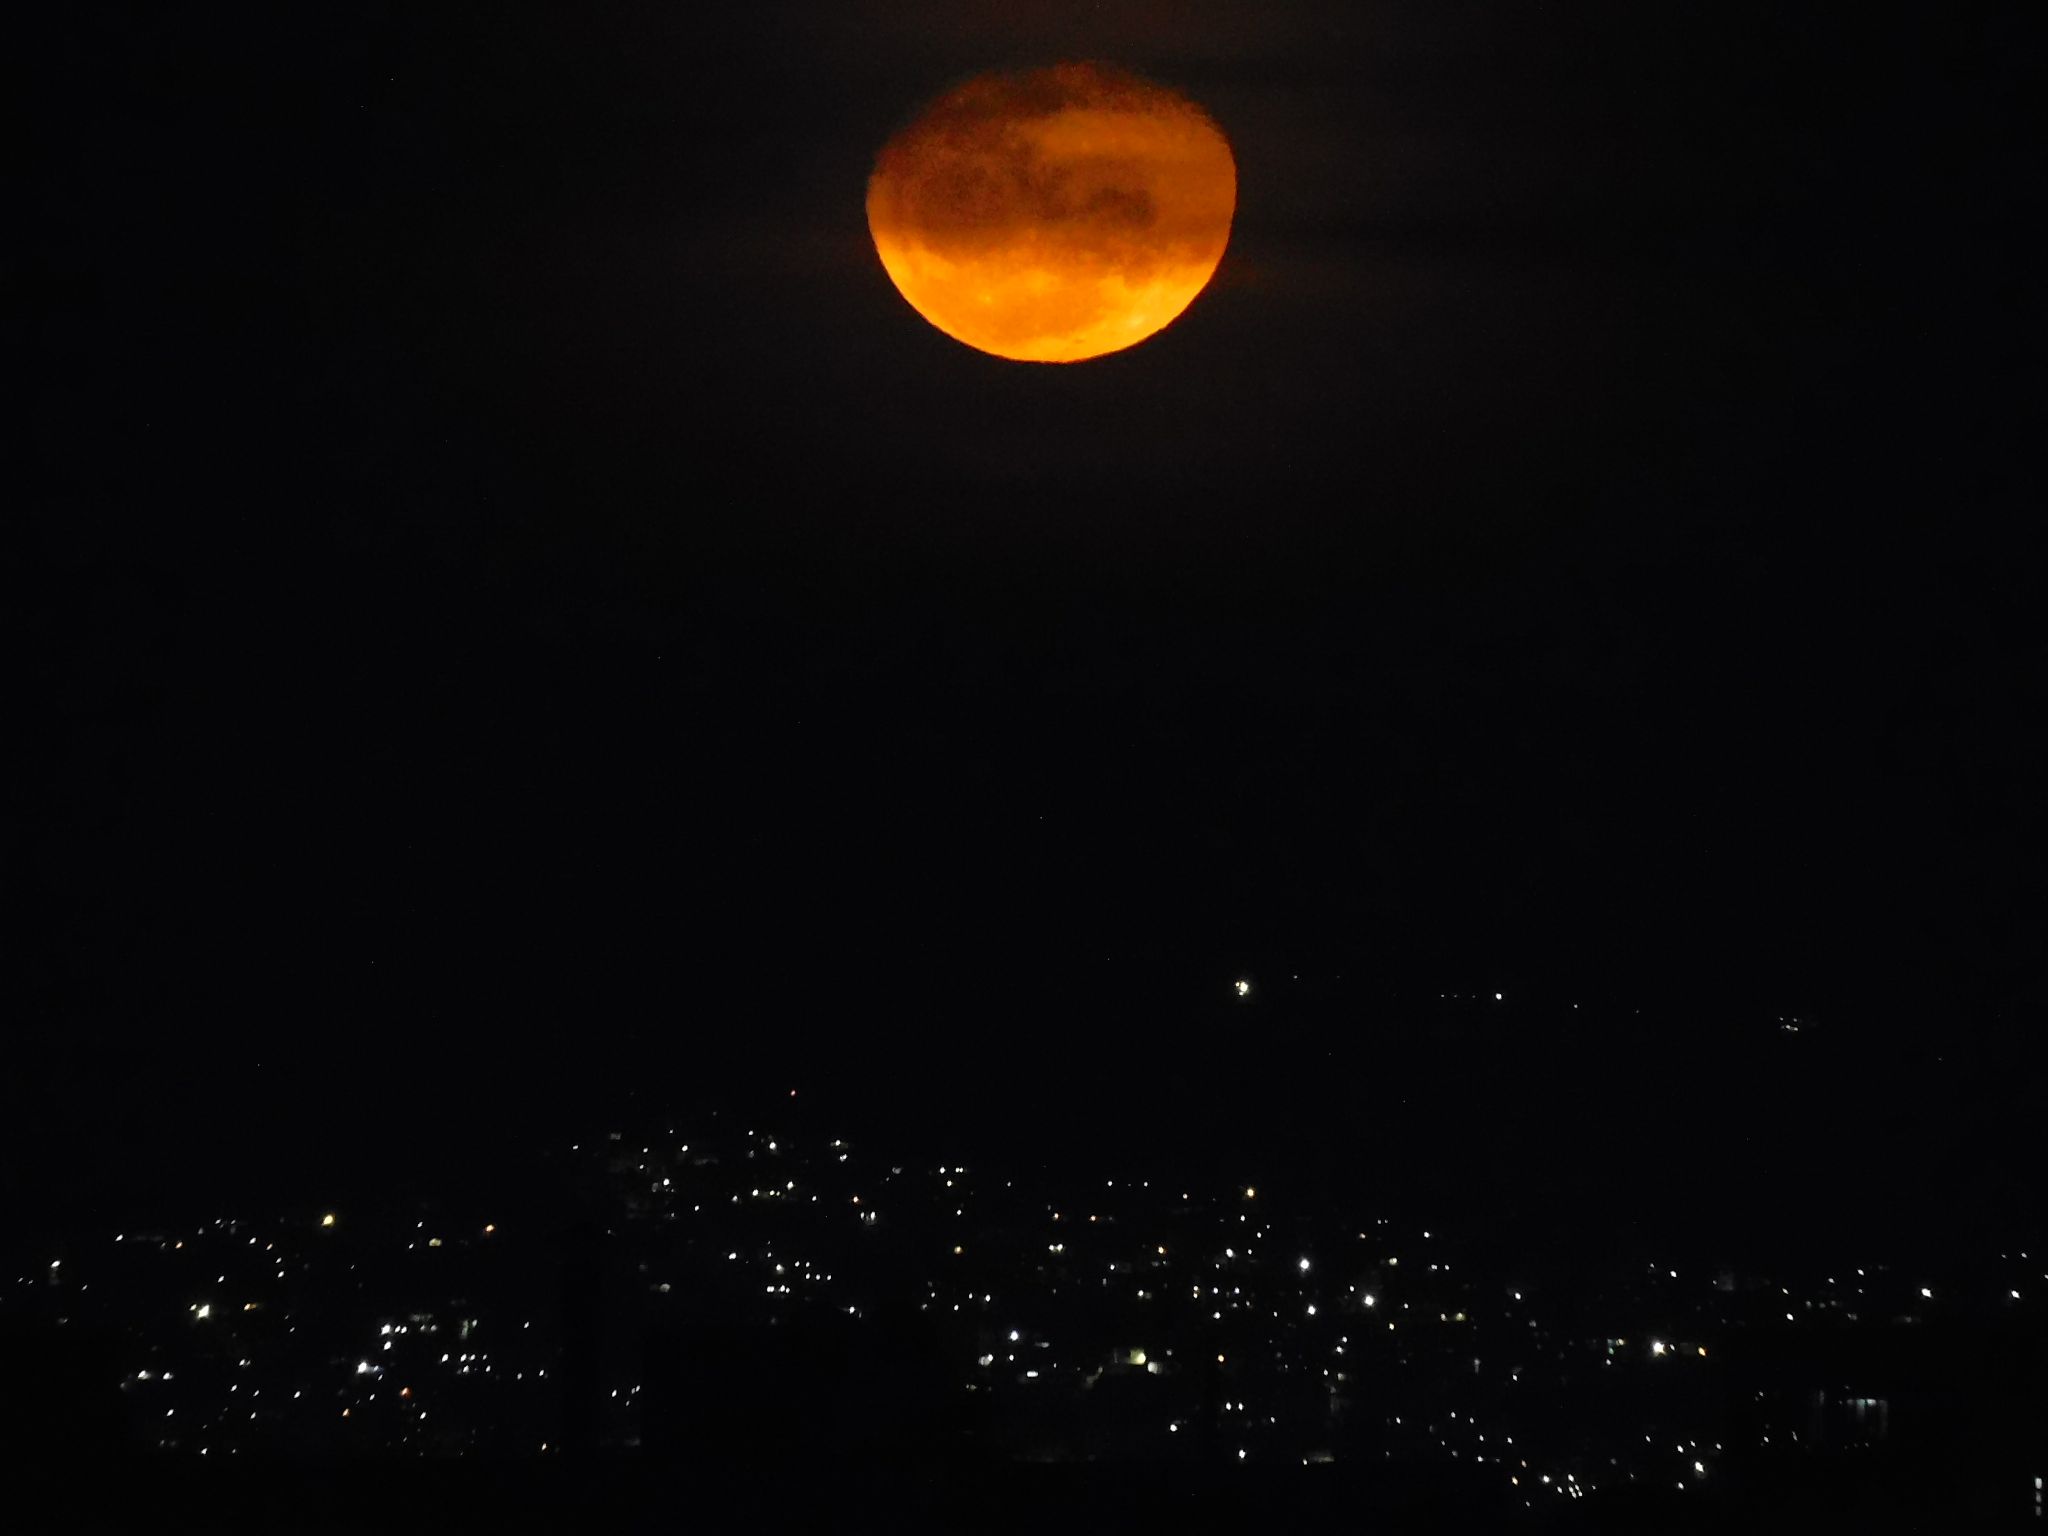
(1132,206)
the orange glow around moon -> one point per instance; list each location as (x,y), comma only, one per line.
(1054,215)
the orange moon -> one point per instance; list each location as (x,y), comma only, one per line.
(1053,215)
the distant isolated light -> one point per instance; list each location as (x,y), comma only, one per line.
(1371,1300)
(1240,1454)
(327,1220)
(1657,1347)
(1014,1335)
(1303,1266)
(1311,1309)
(1244,989)
(1496,997)
(204,1309)
(1927,1292)
(1251,1194)
(1703,1351)
(2015,1295)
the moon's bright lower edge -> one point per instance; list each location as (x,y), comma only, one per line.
(1055,215)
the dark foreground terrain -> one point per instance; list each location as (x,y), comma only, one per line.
(639,1496)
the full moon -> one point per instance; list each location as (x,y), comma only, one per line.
(1053,215)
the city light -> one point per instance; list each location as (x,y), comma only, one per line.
(1276,1359)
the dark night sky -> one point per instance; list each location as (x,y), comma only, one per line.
(510,587)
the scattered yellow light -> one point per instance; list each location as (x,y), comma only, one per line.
(325,1221)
